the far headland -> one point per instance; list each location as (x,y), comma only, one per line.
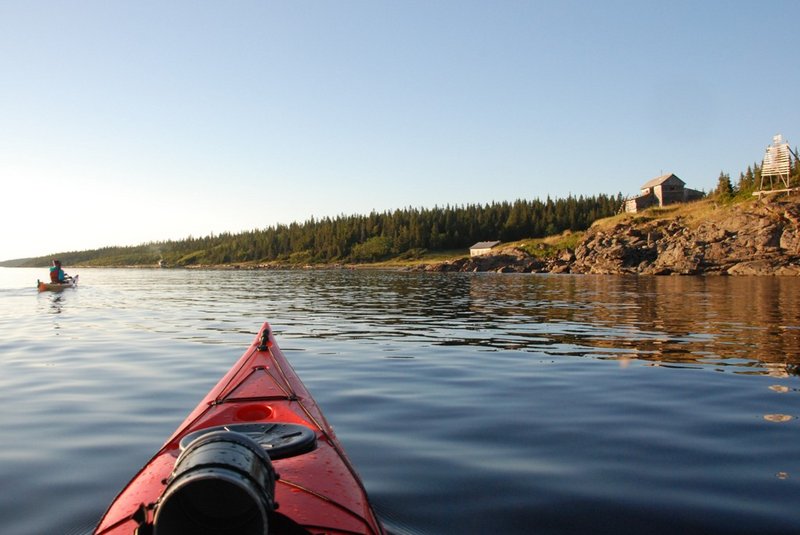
(745,228)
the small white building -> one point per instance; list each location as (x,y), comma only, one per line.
(482,247)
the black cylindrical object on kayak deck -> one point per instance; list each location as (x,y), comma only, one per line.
(223,483)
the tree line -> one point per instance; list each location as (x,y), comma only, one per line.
(407,232)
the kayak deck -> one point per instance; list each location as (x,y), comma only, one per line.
(318,490)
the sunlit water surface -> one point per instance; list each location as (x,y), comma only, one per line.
(469,403)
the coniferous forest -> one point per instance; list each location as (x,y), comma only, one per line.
(404,233)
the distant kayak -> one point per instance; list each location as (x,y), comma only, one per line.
(57,286)
(255,457)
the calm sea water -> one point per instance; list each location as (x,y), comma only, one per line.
(469,403)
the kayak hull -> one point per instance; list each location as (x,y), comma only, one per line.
(43,286)
(318,490)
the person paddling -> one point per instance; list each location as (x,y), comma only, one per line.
(57,274)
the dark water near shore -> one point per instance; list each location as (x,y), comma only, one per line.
(469,403)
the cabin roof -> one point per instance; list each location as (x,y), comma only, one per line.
(484,245)
(660,180)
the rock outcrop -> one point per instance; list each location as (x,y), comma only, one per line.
(759,238)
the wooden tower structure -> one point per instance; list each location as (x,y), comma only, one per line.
(777,163)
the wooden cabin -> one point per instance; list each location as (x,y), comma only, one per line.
(661,191)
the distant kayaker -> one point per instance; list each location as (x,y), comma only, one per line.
(57,274)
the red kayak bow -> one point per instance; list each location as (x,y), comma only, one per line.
(256,456)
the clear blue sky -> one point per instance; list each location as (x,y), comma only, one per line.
(128,122)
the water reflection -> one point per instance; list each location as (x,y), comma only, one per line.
(748,325)
(52,304)
(778,418)
(679,320)
(738,324)
(56,304)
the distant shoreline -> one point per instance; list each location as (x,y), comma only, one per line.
(753,237)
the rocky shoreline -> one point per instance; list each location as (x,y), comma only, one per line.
(752,238)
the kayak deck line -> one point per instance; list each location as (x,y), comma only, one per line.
(283,383)
(316,486)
